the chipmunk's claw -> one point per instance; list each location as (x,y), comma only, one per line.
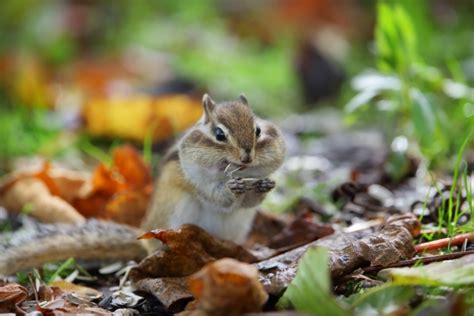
(236,185)
(264,185)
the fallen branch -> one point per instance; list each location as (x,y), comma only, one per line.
(444,242)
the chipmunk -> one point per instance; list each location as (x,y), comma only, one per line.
(214,177)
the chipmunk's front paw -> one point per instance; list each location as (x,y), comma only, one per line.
(264,185)
(236,185)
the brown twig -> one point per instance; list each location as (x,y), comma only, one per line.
(33,285)
(424,260)
(444,242)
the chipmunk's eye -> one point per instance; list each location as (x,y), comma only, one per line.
(257,131)
(220,136)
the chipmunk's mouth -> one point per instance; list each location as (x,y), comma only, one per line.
(231,168)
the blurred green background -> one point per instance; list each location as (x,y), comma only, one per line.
(405,67)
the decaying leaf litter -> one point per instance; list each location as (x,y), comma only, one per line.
(377,226)
(356,224)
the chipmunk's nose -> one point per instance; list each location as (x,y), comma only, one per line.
(247,156)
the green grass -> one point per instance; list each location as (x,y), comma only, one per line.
(24,131)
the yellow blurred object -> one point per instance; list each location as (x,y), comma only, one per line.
(137,116)
(26,80)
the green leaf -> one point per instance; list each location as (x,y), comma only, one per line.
(310,290)
(381,300)
(423,118)
(360,100)
(455,273)
(386,37)
(406,32)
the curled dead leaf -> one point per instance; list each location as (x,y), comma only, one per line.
(227,287)
(11,295)
(131,167)
(41,203)
(172,292)
(83,292)
(187,250)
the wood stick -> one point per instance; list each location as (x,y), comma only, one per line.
(444,242)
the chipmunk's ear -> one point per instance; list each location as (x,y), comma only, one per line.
(243,99)
(209,106)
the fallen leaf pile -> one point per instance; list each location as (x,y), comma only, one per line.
(49,300)
(55,195)
(190,248)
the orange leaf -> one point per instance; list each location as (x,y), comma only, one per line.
(127,207)
(105,182)
(92,205)
(44,176)
(131,166)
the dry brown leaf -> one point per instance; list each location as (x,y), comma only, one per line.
(172,292)
(264,227)
(11,295)
(227,287)
(64,183)
(120,193)
(347,252)
(187,250)
(300,231)
(83,292)
(41,204)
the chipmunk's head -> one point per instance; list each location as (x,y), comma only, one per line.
(233,128)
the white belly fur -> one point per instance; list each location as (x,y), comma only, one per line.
(231,224)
